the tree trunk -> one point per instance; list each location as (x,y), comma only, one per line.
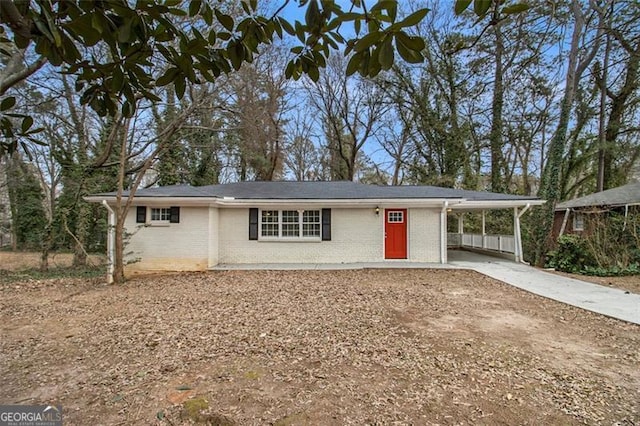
(82,229)
(549,182)
(602,137)
(495,137)
(118,261)
(47,242)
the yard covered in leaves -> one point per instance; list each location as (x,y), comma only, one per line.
(313,347)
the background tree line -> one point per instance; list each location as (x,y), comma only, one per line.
(543,103)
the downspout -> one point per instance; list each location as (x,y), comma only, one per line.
(443,233)
(564,222)
(519,234)
(626,216)
(111,236)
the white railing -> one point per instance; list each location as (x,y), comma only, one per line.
(501,243)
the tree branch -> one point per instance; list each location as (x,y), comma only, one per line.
(21,75)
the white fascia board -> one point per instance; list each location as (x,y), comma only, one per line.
(338,203)
(495,204)
(158,201)
(229,202)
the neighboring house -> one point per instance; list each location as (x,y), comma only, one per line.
(570,216)
(196,228)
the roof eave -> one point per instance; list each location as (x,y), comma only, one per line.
(496,204)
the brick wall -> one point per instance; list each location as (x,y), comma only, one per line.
(357,236)
(175,246)
(207,236)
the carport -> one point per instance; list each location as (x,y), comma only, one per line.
(496,244)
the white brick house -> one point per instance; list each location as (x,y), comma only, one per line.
(197,228)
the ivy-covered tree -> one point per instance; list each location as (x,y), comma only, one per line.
(26,200)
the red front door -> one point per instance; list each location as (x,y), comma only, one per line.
(395,234)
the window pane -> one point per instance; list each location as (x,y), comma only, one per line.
(269,226)
(311,230)
(290,230)
(160,214)
(395,217)
(311,223)
(289,216)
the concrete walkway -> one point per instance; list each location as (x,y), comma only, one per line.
(607,301)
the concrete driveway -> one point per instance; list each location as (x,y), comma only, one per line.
(607,301)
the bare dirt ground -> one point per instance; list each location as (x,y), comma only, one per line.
(16,261)
(314,347)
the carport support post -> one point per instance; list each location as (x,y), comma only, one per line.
(111,242)
(483,228)
(517,235)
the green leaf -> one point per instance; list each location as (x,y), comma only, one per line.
(367,41)
(117,79)
(184,388)
(194,7)
(481,7)
(225,20)
(124,32)
(409,55)
(212,37)
(167,77)
(287,26)
(414,18)
(385,56)
(410,42)
(516,8)
(180,86)
(127,110)
(354,64)
(313,73)
(7,103)
(288,72)
(312,16)
(27,122)
(461,6)
(236,54)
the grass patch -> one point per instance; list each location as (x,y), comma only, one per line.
(8,277)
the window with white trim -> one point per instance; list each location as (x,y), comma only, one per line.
(578,222)
(395,217)
(287,224)
(160,214)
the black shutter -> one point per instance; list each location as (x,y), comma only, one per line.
(141,214)
(326,224)
(175,215)
(253,224)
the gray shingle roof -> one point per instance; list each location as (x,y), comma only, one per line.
(341,190)
(626,194)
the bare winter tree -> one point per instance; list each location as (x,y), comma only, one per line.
(350,111)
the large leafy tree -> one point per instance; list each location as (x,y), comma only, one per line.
(197,39)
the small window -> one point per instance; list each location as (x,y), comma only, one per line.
(395,217)
(160,214)
(578,222)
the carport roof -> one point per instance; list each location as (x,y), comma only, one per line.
(336,190)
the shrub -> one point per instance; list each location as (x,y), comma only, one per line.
(571,255)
